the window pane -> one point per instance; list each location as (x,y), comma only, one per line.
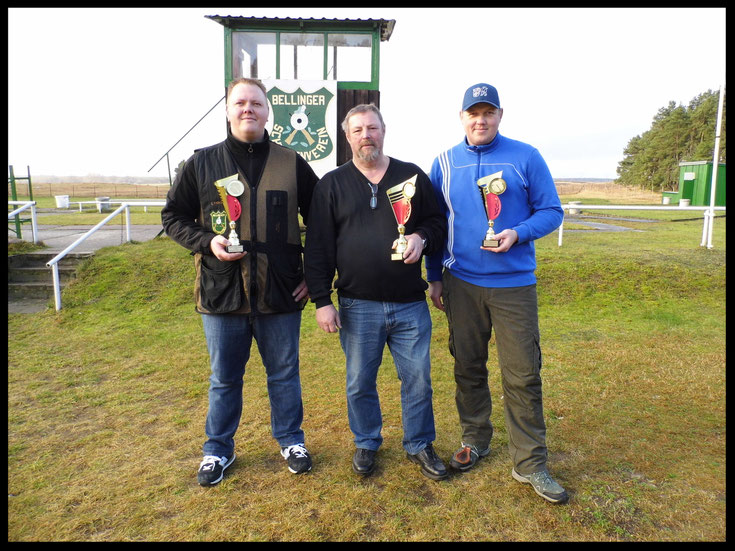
(349,58)
(253,55)
(302,56)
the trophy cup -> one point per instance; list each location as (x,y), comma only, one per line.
(229,190)
(490,187)
(400,200)
(233,214)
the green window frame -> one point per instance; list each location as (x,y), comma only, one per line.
(335,44)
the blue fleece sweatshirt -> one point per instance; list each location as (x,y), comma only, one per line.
(530,205)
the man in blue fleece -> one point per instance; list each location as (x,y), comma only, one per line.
(490,184)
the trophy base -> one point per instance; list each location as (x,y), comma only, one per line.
(396,256)
(235,249)
(490,243)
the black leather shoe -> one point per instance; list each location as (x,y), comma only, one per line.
(431,465)
(363,462)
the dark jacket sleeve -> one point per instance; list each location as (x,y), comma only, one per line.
(306,183)
(433,224)
(180,215)
(320,261)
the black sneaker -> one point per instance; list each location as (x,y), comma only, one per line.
(299,460)
(212,469)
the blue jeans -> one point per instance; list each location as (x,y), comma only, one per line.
(367,326)
(229,338)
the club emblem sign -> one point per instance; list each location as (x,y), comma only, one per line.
(299,121)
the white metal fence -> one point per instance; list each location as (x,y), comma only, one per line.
(708,213)
(25,205)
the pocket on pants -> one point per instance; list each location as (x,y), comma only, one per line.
(345,302)
(537,361)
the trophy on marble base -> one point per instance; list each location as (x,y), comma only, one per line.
(400,200)
(235,246)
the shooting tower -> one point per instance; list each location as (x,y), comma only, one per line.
(343,50)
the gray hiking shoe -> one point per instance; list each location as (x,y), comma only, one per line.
(544,485)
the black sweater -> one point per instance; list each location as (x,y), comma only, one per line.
(346,235)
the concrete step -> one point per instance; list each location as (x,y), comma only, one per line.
(37,258)
(30,278)
(31,290)
(39,274)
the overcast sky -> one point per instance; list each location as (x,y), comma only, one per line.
(109,90)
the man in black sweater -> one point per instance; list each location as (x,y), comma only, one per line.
(371,221)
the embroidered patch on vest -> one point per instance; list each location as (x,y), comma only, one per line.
(219,221)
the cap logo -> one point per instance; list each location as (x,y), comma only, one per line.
(479,91)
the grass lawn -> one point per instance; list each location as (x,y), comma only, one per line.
(107,400)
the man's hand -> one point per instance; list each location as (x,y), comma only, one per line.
(435,294)
(218,244)
(300,292)
(506,238)
(327,318)
(413,251)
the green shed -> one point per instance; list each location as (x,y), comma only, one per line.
(695,184)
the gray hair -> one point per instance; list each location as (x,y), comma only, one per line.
(362,108)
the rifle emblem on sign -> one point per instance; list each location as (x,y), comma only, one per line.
(299,121)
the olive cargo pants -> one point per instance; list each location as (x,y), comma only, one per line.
(472,313)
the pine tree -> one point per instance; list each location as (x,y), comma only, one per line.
(651,160)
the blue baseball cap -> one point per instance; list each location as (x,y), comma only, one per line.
(480,93)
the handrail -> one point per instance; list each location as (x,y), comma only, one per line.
(577,205)
(34,221)
(54,262)
(181,138)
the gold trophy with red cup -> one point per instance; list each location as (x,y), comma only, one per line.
(491,187)
(400,200)
(229,190)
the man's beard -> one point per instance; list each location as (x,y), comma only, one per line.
(369,156)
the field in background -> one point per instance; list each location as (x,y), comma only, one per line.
(571,191)
(77,190)
(606,190)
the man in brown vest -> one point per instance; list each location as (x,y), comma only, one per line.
(235,205)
